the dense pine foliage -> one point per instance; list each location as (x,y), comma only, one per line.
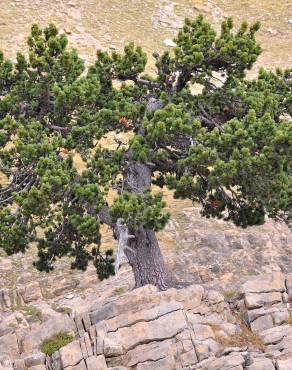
(227,147)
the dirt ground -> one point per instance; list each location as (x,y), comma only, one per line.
(93,24)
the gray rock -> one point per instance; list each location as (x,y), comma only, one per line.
(265,284)
(261,364)
(262,323)
(278,311)
(164,327)
(150,352)
(131,301)
(169,42)
(143,315)
(80,366)
(96,363)
(9,346)
(35,359)
(284,364)
(254,300)
(202,351)
(289,286)
(272,31)
(281,316)
(189,358)
(232,360)
(164,363)
(276,334)
(214,297)
(112,348)
(19,364)
(33,339)
(203,332)
(31,292)
(71,354)
(229,350)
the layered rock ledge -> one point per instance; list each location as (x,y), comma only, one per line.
(189,328)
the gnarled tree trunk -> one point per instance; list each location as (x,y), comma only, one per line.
(144,254)
(146,259)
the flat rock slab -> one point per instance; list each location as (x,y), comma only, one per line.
(164,327)
(256,300)
(265,284)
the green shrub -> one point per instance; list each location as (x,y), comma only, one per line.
(57,341)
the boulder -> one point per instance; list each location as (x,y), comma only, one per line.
(254,300)
(261,364)
(278,312)
(190,297)
(265,284)
(71,354)
(164,327)
(5,362)
(150,352)
(129,302)
(234,359)
(19,365)
(35,359)
(189,358)
(96,363)
(276,334)
(30,292)
(169,42)
(262,323)
(9,346)
(33,339)
(203,332)
(284,364)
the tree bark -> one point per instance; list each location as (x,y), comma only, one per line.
(144,254)
(146,259)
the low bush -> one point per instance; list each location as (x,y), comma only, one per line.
(57,341)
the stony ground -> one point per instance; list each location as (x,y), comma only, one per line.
(211,253)
(186,329)
(92,24)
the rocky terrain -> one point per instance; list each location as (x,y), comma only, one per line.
(189,328)
(228,320)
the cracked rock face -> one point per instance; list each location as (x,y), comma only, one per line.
(190,328)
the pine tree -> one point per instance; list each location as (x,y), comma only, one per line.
(227,147)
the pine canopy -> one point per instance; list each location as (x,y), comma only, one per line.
(226,144)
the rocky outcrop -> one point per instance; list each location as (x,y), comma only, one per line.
(189,328)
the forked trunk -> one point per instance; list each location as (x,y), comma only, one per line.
(146,260)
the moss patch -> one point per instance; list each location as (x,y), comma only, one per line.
(57,341)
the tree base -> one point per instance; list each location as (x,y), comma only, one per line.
(146,260)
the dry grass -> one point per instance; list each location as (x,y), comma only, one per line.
(245,338)
(230,294)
